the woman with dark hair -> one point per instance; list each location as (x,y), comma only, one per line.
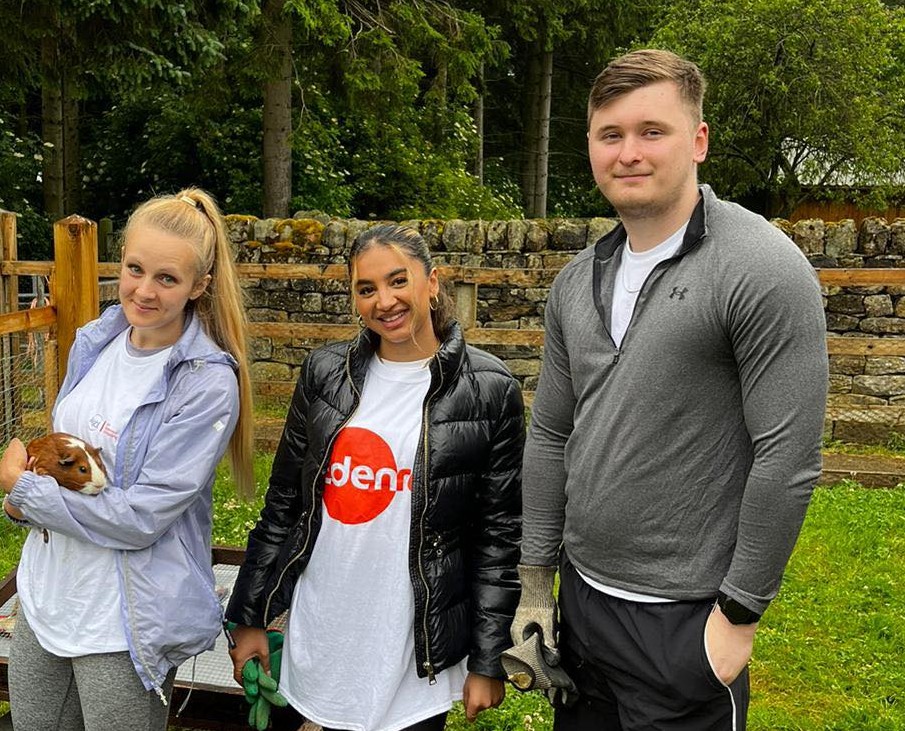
(392,521)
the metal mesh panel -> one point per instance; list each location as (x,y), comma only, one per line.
(866,424)
(23,392)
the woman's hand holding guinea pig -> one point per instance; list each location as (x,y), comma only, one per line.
(13,463)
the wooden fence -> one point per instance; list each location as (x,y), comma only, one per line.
(75,272)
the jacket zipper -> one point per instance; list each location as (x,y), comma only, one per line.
(427,665)
(127,582)
(618,354)
(310,512)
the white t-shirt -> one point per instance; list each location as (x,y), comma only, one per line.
(349,655)
(634,269)
(69,588)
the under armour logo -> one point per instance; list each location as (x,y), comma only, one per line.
(676,292)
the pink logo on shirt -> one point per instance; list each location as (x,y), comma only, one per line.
(362,478)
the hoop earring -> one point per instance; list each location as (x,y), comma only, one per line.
(433,302)
(361,322)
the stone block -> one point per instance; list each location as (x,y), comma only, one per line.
(270,371)
(260,348)
(847,304)
(506,313)
(312,302)
(514,260)
(475,237)
(808,235)
(304,285)
(881,366)
(354,227)
(255,297)
(878,305)
(262,314)
(600,227)
(569,236)
(839,383)
(432,231)
(557,261)
(897,237)
(873,236)
(337,304)
(853,400)
(537,237)
(262,230)
(883,325)
(884,386)
(496,235)
(285,300)
(850,365)
(516,231)
(523,366)
(335,237)
(841,238)
(860,432)
(532,323)
(454,235)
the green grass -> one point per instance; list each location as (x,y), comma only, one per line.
(830,652)
(894,446)
(234,517)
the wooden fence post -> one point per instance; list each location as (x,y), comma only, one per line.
(466,304)
(74,281)
(9,344)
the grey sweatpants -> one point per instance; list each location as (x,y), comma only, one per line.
(89,693)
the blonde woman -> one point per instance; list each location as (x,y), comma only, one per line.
(116,589)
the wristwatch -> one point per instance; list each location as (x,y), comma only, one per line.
(736,612)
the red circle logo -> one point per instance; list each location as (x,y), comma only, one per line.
(362,479)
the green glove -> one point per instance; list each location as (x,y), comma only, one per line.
(260,688)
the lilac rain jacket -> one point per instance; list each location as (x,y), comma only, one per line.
(157,509)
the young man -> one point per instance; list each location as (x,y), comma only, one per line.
(675,434)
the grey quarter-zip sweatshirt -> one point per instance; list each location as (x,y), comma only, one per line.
(683,461)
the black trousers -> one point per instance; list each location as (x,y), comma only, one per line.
(641,667)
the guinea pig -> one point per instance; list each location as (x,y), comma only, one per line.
(71,461)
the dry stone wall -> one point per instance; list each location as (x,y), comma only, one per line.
(539,244)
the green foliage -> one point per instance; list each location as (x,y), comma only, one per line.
(234,517)
(801,93)
(20,188)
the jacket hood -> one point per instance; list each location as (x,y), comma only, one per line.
(193,344)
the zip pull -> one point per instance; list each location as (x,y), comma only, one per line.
(431,676)
(46,535)
(616,357)
(163,698)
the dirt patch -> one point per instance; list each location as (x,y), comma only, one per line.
(869,470)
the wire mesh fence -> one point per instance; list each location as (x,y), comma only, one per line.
(23,386)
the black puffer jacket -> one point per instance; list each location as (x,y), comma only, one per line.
(466,501)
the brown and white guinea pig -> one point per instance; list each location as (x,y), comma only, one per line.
(71,461)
